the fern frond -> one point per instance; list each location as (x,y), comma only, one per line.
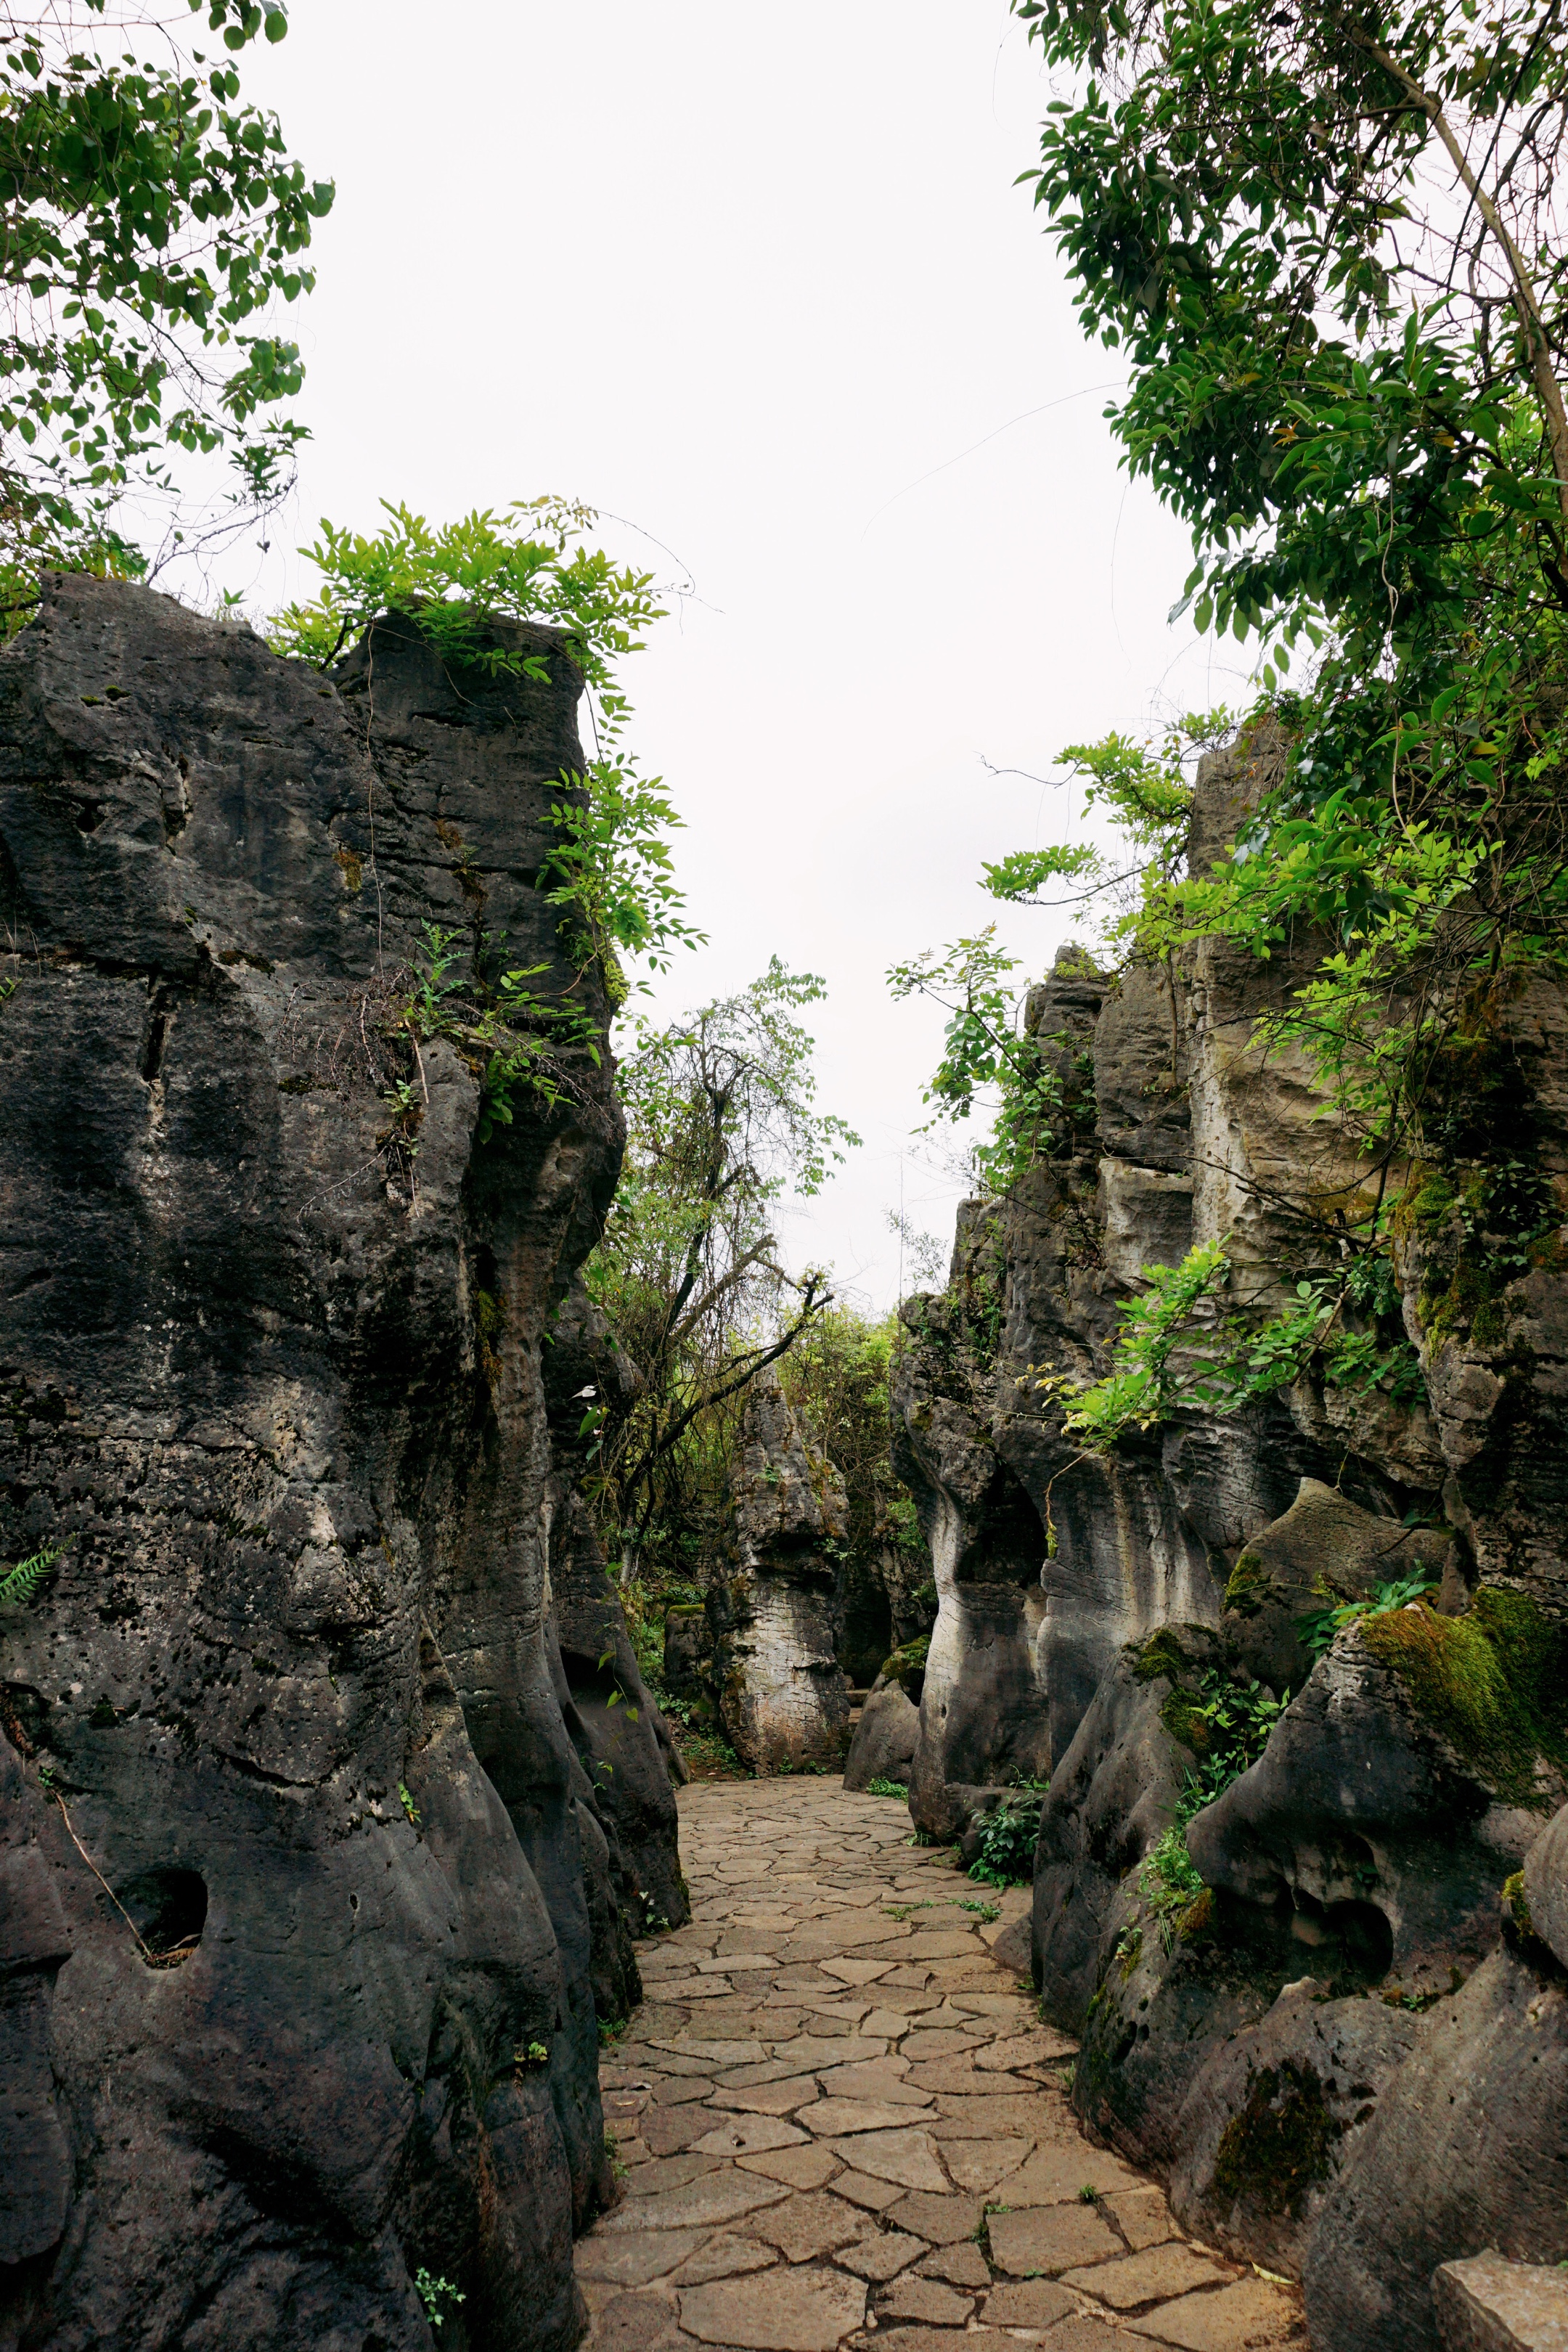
(18,1584)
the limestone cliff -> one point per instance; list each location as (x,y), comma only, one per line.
(310,1879)
(1275,2033)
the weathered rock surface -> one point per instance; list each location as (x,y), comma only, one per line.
(1325,1548)
(1412,1773)
(1110,1797)
(782,1699)
(1362,1824)
(1487,2305)
(1468,2149)
(886,1737)
(1274,2117)
(321,2009)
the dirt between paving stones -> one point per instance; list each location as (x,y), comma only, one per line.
(840,2120)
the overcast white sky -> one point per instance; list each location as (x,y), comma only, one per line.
(759,282)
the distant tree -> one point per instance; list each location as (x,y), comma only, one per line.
(722,1125)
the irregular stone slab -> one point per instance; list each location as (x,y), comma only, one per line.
(1052,2239)
(882,2255)
(1253,2312)
(945,2042)
(962,2117)
(636,2323)
(1143,2217)
(1491,2304)
(666,2131)
(876,2196)
(725,1963)
(801,2311)
(891,2022)
(983,2163)
(873,2078)
(1055,2174)
(807,2227)
(802,2168)
(957,2078)
(941,2221)
(1028,2302)
(962,2265)
(769,2070)
(942,1944)
(829,2117)
(806,2052)
(637,2256)
(718,2053)
(1021,2050)
(744,2135)
(671,2172)
(937,2339)
(723,2196)
(925,2299)
(679,2090)
(769,2098)
(906,2156)
(725,2256)
(1143,2278)
(855,1972)
(671,2061)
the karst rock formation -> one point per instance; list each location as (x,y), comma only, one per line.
(323,1836)
(1346,2046)
(782,1697)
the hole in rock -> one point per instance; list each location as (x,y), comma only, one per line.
(1009,1543)
(868,1635)
(169,1910)
(1364,1936)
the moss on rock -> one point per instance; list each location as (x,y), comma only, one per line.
(1494,1684)
(1280,2144)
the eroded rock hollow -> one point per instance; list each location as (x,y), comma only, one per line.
(1328,2005)
(322,1841)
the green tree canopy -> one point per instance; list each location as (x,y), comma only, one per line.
(723,1124)
(152,223)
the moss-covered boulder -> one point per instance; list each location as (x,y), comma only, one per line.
(1325,1549)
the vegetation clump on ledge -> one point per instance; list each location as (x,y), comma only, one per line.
(1493,1684)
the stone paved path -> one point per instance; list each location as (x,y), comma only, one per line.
(843,2124)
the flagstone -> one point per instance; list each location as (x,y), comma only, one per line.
(745,2135)
(832,2117)
(724,2195)
(962,2265)
(802,2311)
(725,2256)
(1148,2277)
(876,2196)
(770,2098)
(882,2255)
(807,2227)
(802,2168)
(907,2157)
(637,2256)
(1050,2239)
(926,2299)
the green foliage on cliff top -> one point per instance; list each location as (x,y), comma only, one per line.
(1494,1684)
(610,869)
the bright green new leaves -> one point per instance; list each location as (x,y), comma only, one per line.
(987,1062)
(611,872)
(1175,1349)
(149,217)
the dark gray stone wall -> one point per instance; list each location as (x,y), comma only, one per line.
(270,1337)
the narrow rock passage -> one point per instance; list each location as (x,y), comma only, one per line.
(841,2120)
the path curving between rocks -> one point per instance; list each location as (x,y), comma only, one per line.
(842,2123)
